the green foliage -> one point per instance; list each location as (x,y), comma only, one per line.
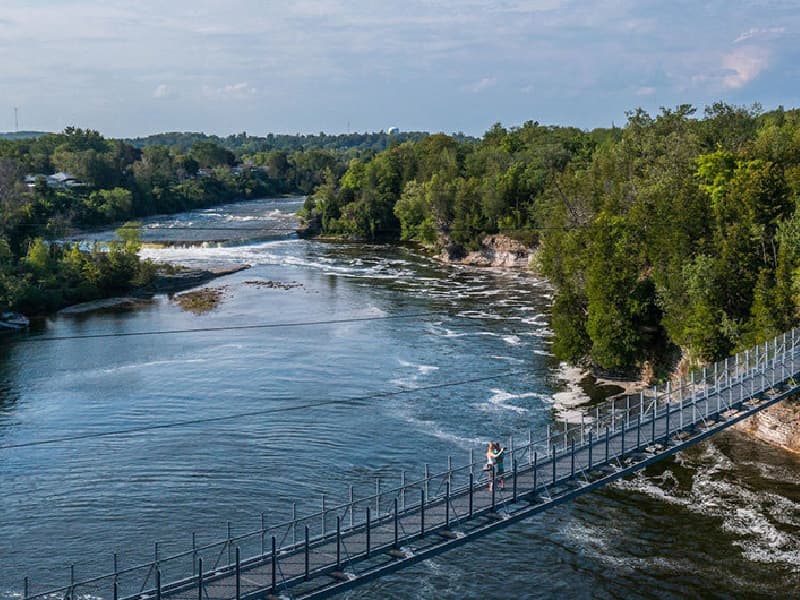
(671,231)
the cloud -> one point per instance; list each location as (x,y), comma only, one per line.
(481,85)
(231,90)
(162,91)
(742,65)
(645,91)
(762,32)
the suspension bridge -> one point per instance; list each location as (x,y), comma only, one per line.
(366,537)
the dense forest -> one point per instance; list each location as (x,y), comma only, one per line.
(243,144)
(673,236)
(112,182)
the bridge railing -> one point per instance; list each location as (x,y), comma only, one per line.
(749,372)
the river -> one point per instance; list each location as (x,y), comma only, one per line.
(720,520)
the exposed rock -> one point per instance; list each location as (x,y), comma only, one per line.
(172,282)
(276,285)
(200,301)
(778,425)
(125,303)
(495,251)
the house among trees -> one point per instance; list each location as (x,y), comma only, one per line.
(59,181)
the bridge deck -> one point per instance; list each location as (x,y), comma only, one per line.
(369,537)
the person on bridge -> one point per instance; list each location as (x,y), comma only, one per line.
(494,460)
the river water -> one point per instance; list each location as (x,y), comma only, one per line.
(720,520)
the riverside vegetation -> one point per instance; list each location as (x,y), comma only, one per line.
(673,236)
(123,180)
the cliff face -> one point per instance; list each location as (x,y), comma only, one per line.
(778,425)
(495,251)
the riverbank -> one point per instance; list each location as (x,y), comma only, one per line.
(171,279)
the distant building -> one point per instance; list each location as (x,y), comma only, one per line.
(393,130)
(63,180)
(58,181)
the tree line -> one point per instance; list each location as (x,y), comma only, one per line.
(118,182)
(675,236)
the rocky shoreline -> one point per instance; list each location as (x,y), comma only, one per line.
(496,251)
(778,425)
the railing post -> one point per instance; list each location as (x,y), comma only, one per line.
(666,433)
(514,467)
(158,583)
(628,411)
(783,357)
(427,480)
(547,443)
(680,404)
(607,438)
(200,577)
(591,444)
(238,574)
(494,486)
(774,359)
(294,523)
(227,543)
(638,431)
(554,464)
(422,514)
(694,399)
(613,415)
(338,542)
(115,586)
(403,488)
(655,401)
(450,469)
(368,530)
(583,426)
(396,525)
(572,463)
(25,587)
(308,540)
(622,441)
(447,505)
(653,420)
(263,539)
(530,446)
(535,471)
(352,506)
(471,460)
(274,558)
(471,485)
(705,388)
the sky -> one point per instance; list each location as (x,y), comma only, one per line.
(225,66)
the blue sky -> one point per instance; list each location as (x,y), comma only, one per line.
(132,68)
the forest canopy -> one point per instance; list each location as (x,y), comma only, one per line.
(677,233)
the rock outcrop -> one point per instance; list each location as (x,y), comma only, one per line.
(495,251)
(778,425)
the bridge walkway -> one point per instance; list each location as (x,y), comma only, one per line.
(342,546)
